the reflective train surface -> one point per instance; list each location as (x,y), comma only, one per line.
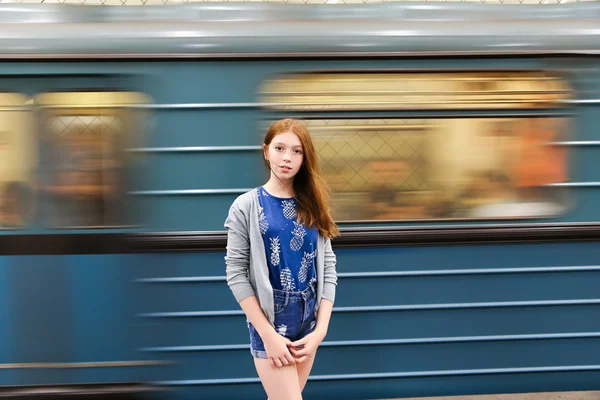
(460,142)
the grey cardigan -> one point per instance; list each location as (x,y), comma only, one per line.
(246,261)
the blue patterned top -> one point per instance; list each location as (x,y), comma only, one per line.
(290,246)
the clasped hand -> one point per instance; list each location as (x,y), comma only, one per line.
(281,351)
(306,347)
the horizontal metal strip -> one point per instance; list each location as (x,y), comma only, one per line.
(580,101)
(483,371)
(391,274)
(34,107)
(423,79)
(474,271)
(327,54)
(185,192)
(279,106)
(96,364)
(251,105)
(183,279)
(198,106)
(392,375)
(552,107)
(113,390)
(194,149)
(574,184)
(579,143)
(419,79)
(456,306)
(384,236)
(182,349)
(408,307)
(209,149)
(141,106)
(191,314)
(179,192)
(362,237)
(341,103)
(389,342)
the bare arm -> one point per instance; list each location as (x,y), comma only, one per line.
(276,346)
(257,317)
(323,317)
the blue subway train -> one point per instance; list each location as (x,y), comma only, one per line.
(460,143)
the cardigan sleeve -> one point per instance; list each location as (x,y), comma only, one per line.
(330,274)
(237,258)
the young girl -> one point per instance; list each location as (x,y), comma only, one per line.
(280,265)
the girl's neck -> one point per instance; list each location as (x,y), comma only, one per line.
(280,189)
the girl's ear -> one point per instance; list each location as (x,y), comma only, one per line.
(265,151)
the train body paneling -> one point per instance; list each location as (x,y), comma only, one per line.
(425,306)
(413,321)
(68,319)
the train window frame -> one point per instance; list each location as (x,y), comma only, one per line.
(94,104)
(529,110)
(24,138)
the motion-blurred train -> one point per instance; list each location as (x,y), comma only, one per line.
(460,142)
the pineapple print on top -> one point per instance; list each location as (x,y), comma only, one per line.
(289,209)
(290,247)
(275,251)
(298,239)
(287,280)
(305,265)
(263,224)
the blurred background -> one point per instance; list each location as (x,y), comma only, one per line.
(459,140)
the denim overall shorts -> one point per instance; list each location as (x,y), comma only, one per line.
(294,317)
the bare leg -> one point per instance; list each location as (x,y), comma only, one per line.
(279,383)
(304,371)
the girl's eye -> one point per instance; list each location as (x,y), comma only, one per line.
(278,148)
(298,151)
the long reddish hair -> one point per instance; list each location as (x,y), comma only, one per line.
(310,188)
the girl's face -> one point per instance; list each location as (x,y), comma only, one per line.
(285,154)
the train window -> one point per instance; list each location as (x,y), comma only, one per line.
(436,168)
(413,91)
(18,160)
(84,140)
